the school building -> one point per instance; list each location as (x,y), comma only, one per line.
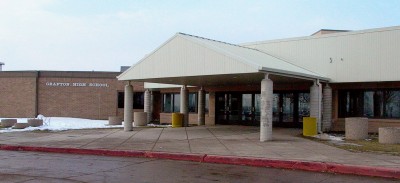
(330,75)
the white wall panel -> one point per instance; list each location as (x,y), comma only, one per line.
(367,56)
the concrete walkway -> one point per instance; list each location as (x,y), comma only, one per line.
(213,140)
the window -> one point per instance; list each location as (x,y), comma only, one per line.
(372,104)
(192,102)
(172,102)
(138,100)
(177,102)
(167,102)
(207,102)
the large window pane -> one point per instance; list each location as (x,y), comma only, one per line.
(392,104)
(372,104)
(257,106)
(246,106)
(304,105)
(192,102)
(167,102)
(207,102)
(275,108)
(177,102)
(369,104)
(138,100)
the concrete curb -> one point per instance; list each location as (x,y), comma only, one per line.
(233,160)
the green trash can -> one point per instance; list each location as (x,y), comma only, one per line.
(177,120)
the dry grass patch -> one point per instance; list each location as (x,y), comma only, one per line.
(369,145)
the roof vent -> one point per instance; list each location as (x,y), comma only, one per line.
(124,68)
(327,31)
(1,66)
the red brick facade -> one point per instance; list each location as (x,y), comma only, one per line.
(17,94)
(92,95)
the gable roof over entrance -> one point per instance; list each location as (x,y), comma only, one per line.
(190,56)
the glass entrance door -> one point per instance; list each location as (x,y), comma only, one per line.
(250,109)
(288,108)
(238,108)
(228,108)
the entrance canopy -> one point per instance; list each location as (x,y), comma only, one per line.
(190,60)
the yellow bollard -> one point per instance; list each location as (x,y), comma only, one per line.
(177,119)
(309,126)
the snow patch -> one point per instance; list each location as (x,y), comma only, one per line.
(325,136)
(61,123)
(66,123)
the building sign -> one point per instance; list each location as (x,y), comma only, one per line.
(57,84)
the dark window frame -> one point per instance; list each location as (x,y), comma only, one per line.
(352,103)
(138,100)
(172,105)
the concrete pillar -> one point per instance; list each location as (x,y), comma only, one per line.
(315,102)
(201,115)
(185,105)
(266,109)
(327,109)
(147,104)
(128,107)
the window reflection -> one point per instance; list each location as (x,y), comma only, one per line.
(373,104)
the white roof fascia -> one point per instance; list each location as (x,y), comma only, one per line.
(324,36)
(293,74)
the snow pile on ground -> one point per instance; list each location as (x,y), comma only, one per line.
(61,123)
(325,136)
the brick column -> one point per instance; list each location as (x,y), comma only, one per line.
(266,109)
(327,109)
(128,107)
(201,107)
(185,105)
(147,104)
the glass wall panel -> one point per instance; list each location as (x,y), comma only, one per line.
(304,105)
(257,106)
(246,106)
(177,102)
(207,102)
(192,102)
(275,108)
(287,107)
(392,104)
(167,102)
(383,103)
(369,104)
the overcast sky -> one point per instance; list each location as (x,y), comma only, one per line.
(102,35)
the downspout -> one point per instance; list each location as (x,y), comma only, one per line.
(37,94)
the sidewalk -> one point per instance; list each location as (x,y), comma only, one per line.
(238,141)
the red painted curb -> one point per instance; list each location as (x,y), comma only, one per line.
(364,170)
(175,156)
(308,166)
(101,152)
(233,160)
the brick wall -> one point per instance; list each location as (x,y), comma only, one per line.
(373,124)
(92,95)
(17,94)
(78,101)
